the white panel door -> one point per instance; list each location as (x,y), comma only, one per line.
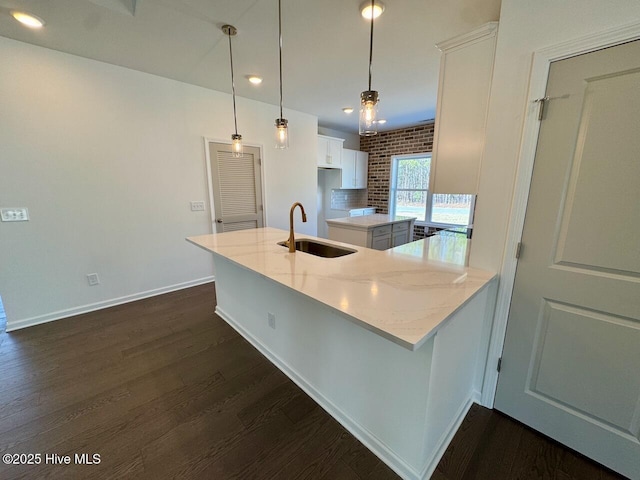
(236,188)
(571,360)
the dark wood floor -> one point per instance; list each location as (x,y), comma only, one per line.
(163,388)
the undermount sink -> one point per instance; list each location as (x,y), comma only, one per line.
(319,249)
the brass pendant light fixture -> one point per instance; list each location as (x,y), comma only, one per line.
(236,138)
(368,124)
(282,131)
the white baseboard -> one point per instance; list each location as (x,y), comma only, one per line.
(70,312)
(378,447)
(444,442)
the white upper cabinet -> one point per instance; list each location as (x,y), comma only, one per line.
(362,169)
(466,69)
(355,166)
(329,152)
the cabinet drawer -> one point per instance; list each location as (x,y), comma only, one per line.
(383,230)
(400,227)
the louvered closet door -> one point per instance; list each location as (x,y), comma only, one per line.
(237,188)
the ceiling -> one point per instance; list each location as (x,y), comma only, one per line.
(325,47)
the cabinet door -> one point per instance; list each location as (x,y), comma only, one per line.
(381,242)
(361,169)
(323,151)
(348,168)
(335,151)
(466,69)
(400,238)
(329,152)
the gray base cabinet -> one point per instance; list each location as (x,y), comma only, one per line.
(379,232)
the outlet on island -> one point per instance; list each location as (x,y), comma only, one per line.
(272,320)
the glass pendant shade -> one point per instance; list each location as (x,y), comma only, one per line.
(236,138)
(368,121)
(282,133)
(368,124)
(236,145)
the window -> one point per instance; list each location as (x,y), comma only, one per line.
(409,194)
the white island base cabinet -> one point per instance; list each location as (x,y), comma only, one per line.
(405,406)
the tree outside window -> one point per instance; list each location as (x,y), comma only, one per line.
(409,194)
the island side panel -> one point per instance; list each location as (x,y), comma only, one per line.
(352,236)
(459,349)
(377,389)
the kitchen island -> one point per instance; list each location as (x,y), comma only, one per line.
(378,231)
(392,344)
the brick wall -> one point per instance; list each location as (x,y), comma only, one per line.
(417,139)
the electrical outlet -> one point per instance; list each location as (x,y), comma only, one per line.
(15,214)
(93,279)
(197,206)
(272,320)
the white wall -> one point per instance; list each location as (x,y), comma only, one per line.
(525,27)
(107,160)
(351,140)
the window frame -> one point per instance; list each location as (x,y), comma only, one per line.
(427,222)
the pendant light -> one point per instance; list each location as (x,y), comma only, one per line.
(282,131)
(236,139)
(369,98)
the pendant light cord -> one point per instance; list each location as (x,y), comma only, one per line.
(233,85)
(371,45)
(280,49)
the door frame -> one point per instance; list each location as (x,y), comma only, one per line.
(541,63)
(207,161)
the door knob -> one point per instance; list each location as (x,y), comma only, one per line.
(218,220)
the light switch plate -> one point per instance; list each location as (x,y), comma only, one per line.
(197,206)
(15,214)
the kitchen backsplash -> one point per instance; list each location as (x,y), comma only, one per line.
(343,199)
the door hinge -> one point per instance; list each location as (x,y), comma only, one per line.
(518,249)
(543,102)
(259,161)
(499,364)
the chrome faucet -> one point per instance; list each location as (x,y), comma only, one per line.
(292,240)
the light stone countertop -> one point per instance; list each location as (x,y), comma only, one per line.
(403,294)
(367,222)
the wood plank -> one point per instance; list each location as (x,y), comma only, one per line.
(164,388)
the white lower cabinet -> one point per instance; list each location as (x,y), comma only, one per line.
(359,212)
(400,234)
(381,238)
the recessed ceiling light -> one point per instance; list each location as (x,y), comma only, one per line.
(256,80)
(27,19)
(365,9)
(347,110)
(382,121)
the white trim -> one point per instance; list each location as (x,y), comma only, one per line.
(448,435)
(486,30)
(537,86)
(373,443)
(393,183)
(91,307)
